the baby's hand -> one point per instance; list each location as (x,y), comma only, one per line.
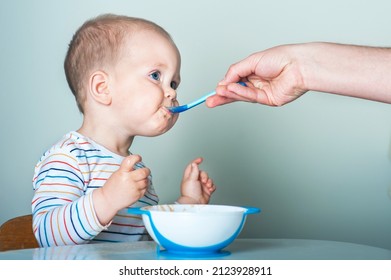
(122,189)
(196,187)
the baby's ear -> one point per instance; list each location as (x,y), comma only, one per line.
(99,87)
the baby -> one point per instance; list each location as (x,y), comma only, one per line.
(124,73)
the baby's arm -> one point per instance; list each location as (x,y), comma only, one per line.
(62,210)
(196,187)
(64,213)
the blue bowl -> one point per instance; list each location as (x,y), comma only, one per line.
(194,229)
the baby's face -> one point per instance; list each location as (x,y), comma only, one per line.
(144,83)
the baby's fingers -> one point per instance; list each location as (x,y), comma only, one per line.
(204,177)
(140,174)
(210,185)
(198,160)
(194,172)
(129,162)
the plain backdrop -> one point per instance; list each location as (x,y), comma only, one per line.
(319,168)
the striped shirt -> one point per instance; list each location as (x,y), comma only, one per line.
(64,180)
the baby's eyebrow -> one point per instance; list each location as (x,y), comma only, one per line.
(160,65)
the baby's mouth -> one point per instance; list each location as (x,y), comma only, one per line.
(166,112)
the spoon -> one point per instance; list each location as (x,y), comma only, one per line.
(182,108)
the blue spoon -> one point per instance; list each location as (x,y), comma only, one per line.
(182,108)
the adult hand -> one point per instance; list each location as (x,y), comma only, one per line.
(281,74)
(272,76)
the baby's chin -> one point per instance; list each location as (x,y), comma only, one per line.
(156,132)
(161,126)
(166,128)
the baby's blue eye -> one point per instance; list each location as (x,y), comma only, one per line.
(155,75)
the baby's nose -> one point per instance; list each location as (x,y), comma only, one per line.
(170,93)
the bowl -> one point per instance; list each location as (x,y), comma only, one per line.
(194,228)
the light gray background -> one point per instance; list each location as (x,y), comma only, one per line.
(319,167)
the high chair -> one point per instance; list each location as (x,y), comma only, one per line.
(17,233)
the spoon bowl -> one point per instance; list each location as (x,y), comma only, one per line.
(182,108)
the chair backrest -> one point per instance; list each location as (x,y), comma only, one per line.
(17,233)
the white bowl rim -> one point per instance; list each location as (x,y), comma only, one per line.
(186,209)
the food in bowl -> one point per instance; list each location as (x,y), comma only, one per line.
(194,228)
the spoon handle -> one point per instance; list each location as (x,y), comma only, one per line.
(185,107)
(200,100)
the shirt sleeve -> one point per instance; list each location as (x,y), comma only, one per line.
(63,212)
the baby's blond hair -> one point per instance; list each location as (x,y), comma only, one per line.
(97,43)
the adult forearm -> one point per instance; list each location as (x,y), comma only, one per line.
(357,71)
